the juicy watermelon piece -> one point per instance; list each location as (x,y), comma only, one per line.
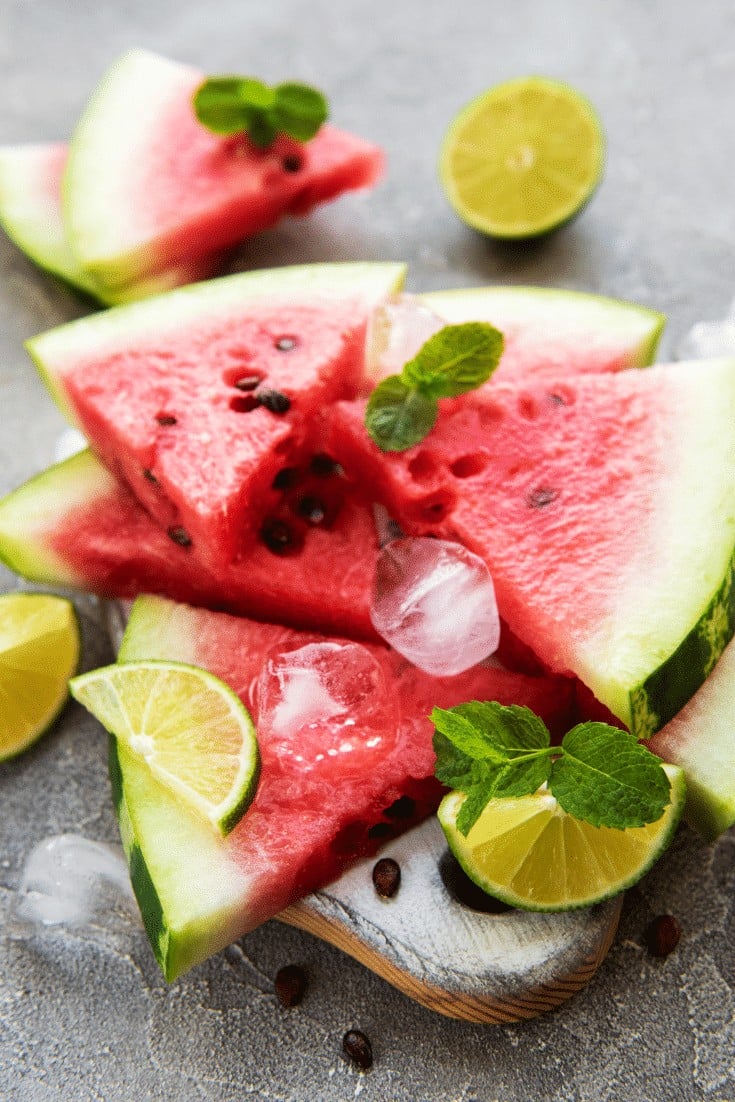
(588,498)
(147,186)
(550,333)
(30,211)
(165,389)
(75,525)
(292,839)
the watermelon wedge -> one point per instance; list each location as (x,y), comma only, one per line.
(30,212)
(147,187)
(588,498)
(75,525)
(198,399)
(198,892)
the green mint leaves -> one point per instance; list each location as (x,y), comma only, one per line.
(236,105)
(599,773)
(403,408)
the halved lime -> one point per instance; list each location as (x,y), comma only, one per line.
(531,854)
(39,652)
(192,731)
(522,158)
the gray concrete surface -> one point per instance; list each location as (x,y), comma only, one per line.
(81,1020)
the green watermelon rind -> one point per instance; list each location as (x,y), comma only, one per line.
(570,311)
(215,298)
(190,893)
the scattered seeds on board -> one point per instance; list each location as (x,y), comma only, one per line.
(356,1046)
(290,985)
(386,877)
(662,935)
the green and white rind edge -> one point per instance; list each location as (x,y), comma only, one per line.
(36,507)
(674,608)
(190,892)
(449,809)
(559,314)
(217,298)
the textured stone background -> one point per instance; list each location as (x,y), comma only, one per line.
(85,1020)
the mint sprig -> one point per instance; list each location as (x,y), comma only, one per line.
(599,773)
(244,105)
(403,408)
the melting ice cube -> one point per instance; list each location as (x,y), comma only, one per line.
(70,881)
(325,701)
(396,332)
(709,339)
(434,602)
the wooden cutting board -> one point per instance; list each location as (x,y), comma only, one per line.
(432,942)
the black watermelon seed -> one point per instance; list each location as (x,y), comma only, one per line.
(273,400)
(312,510)
(402,809)
(290,985)
(248,382)
(180,535)
(286,478)
(277,536)
(291,162)
(166,419)
(662,936)
(286,344)
(537,499)
(323,466)
(149,476)
(387,877)
(356,1046)
(380,831)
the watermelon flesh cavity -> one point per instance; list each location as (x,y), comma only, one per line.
(30,211)
(198,400)
(305,824)
(147,186)
(587,497)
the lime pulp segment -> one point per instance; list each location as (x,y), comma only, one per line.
(522,158)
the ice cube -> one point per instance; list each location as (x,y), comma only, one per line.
(434,602)
(70,881)
(396,332)
(709,339)
(325,703)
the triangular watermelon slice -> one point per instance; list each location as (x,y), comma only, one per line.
(200,398)
(147,187)
(199,892)
(605,508)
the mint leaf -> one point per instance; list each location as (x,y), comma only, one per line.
(607,778)
(236,105)
(397,416)
(456,359)
(488,731)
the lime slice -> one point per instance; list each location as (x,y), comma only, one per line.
(522,158)
(528,852)
(39,652)
(192,731)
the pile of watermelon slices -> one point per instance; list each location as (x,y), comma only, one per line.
(144,198)
(231,480)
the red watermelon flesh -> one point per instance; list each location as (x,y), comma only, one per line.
(587,498)
(200,400)
(305,825)
(148,186)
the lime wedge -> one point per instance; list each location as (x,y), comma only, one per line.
(522,158)
(191,730)
(528,852)
(39,652)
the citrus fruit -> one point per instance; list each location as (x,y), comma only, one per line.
(39,652)
(531,854)
(522,158)
(192,731)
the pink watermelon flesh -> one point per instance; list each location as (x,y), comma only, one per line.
(179,418)
(566,490)
(306,825)
(176,190)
